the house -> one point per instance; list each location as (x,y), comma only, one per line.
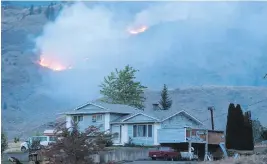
(128,124)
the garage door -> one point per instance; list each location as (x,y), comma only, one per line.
(171,135)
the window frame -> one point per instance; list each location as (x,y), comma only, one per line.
(97,117)
(79,118)
(146,130)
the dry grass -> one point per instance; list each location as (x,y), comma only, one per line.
(253,159)
(13,147)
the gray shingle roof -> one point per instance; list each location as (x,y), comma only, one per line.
(101,107)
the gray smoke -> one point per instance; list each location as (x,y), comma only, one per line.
(189,42)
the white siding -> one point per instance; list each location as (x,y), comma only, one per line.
(68,121)
(124,134)
(107,121)
(156,127)
(179,121)
(171,135)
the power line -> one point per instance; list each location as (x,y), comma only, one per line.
(246,109)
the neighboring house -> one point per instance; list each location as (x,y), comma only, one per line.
(130,124)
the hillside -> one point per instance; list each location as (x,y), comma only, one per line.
(32,95)
(196,100)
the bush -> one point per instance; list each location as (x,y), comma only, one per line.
(73,146)
(16,139)
(104,140)
(4,143)
(130,143)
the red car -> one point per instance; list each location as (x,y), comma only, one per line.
(165,153)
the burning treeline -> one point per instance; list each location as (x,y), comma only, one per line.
(57,65)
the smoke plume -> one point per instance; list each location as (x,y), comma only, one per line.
(186,43)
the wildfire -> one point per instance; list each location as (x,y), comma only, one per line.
(55,65)
(138,30)
(52,64)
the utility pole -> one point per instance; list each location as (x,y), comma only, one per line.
(206,158)
(190,143)
(211,109)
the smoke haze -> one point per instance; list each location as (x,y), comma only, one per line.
(187,43)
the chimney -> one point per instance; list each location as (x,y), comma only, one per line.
(156,106)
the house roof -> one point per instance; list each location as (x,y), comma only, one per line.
(101,107)
(158,116)
(129,116)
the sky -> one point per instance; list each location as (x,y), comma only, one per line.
(186,44)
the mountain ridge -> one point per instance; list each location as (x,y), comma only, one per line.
(24,82)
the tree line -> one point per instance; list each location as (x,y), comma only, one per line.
(241,131)
(50,12)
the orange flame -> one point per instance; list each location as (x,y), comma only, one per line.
(138,30)
(51,64)
(57,66)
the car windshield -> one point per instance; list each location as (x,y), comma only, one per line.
(39,138)
(52,138)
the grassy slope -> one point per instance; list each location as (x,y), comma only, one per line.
(27,108)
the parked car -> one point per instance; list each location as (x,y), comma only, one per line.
(165,153)
(44,141)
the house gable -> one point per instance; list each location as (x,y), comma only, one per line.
(86,109)
(139,117)
(91,107)
(180,120)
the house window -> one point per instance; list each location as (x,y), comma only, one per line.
(77,118)
(96,118)
(149,130)
(142,131)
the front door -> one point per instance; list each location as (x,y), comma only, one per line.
(116,132)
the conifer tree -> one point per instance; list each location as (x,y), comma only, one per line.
(239,128)
(248,132)
(165,101)
(230,131)
(47,12)
(52,13)
(4,142)
(31,10)
(39,10)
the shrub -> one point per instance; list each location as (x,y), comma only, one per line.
(4,143)
(130,143)
(104,140)
(16,139)
(73,146)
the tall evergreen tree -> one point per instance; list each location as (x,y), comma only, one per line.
(4,143)
(239,128)
(47,12)
(52,13)
(257,130)
(248,132)
(31,10)
(120,87)
(5,106)
(165,100)
(264,134)
(230,130)
(39,10)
